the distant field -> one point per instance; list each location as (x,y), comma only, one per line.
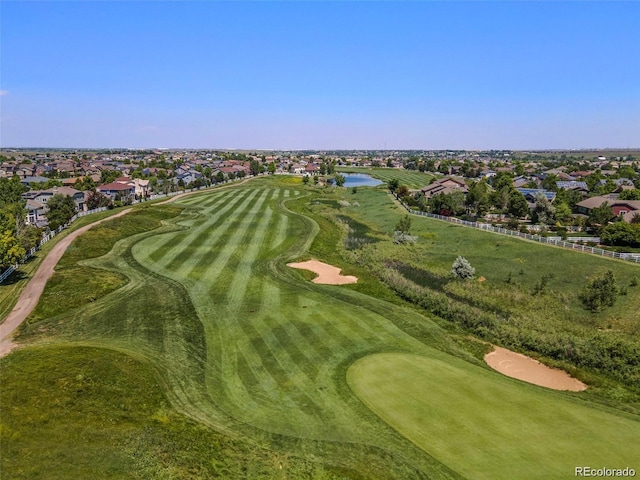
(411,178)
(250,350)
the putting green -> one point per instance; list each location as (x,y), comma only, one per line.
(486,426)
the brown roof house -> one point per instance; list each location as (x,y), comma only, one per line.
(445,186)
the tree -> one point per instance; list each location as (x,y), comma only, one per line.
(271,168)
(11,191)
(543,211)
(305,179)
(219,177)
(254,167)
(61,209)
(462,269)
(339,179)
(96,199)
(11,251)
(599,217)
(108,176)
(393,184)
(563,212)
(630,194)
(600,292)
(404,225)
(517,205)
(477,199)
(622,234)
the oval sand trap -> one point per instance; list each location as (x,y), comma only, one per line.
(327,274)
(516,365)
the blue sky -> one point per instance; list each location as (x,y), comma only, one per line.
(320,75)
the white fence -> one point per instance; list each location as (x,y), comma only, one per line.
(632,257)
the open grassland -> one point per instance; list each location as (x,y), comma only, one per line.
(411,178)
(248,349)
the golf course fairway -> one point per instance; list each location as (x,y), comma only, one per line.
(487,427)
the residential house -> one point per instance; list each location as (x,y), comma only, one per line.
(36,213)
(573,185)
(43,196)
(530,194)
(118,191)
(445,186)
(624,208)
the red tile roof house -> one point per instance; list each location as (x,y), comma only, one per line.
(121,190)
(626,208)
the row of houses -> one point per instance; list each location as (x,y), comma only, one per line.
(122,188)
(626,209)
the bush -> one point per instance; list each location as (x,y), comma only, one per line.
(462,269)
(600,292)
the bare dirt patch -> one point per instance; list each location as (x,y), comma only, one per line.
(516,365)
(327,274)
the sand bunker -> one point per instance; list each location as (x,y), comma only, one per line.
(529,370)
(327,274)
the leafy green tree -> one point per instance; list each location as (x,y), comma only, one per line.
(477,199)
(393,184)
(305,179)
(271,168)
(599,217)
(600,292)
(11,250)
(517,206)
(622,234)
(462,269)
(219,177)
(108,176)
(563,212)
(61,209)
(339,179)
(254,167)
(543,212)
(630,194)
(11,191)
(404,225)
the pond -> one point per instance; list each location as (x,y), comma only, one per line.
(360,180)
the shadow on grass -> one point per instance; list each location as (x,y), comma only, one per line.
(14,278)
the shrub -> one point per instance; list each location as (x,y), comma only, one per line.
(600,292)
(462,269)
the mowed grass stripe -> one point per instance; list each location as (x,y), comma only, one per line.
(215,269)
(191,260)
(168,246)
(251,248)
(281,232)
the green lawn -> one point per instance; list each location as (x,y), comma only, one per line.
(487,426)
(239,343)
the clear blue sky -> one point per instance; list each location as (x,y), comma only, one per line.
(320,75)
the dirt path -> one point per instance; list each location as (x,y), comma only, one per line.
(32,291)
(520,366)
